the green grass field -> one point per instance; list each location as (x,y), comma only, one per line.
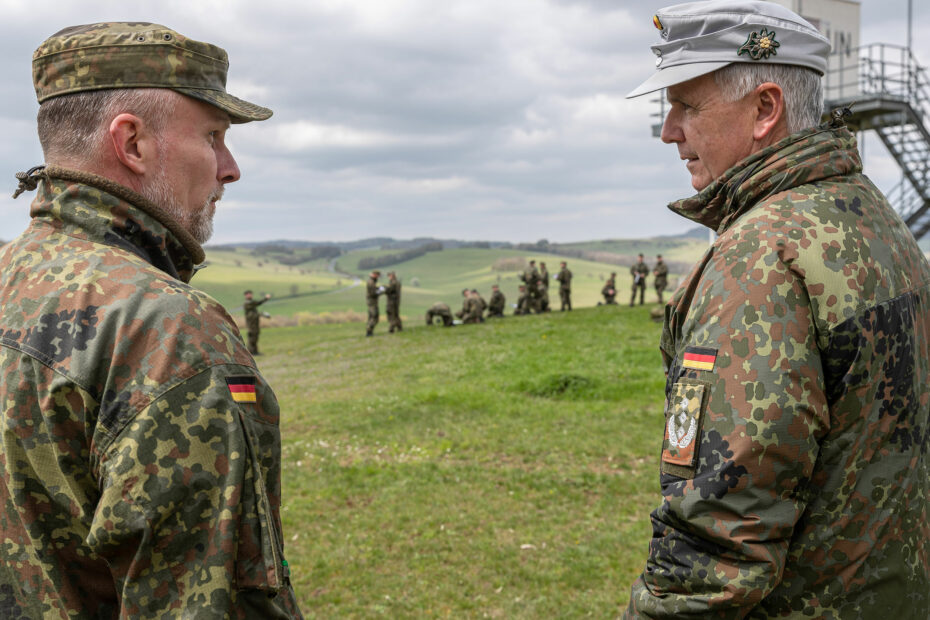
(503,470)
(436,276)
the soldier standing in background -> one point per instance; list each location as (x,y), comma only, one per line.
(441,311)
(544,276)
(372,290)
(253,320)
(795,464)
(530,278)
(639,271)
(392,303)
(148,485)
(565,286)
(660,271)
(497,303)
(609,290)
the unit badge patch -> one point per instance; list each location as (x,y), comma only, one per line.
(683,425)
(699,358)
(242,388)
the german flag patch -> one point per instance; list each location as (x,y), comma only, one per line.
(242,388)
(699,358)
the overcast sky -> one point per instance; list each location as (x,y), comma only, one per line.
(474,119)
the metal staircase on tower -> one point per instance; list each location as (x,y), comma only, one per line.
(889,93)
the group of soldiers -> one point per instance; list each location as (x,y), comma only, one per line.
(391,293)
(473,308)
(533,298)
(639,271)
(534,292)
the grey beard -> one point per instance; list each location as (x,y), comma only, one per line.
(198,223)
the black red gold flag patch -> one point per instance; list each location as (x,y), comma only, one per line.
(699,358)
(242,388)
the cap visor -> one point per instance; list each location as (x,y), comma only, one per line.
(663,78)
(239,111)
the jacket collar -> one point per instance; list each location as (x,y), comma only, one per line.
(106,212)
(804,157)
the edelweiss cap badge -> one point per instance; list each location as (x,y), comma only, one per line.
(760,45)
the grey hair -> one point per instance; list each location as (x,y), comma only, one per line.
(802,88)
(72,126)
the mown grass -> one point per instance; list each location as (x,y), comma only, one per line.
(503,470)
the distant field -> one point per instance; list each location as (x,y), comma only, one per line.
(503,470)
(436,276)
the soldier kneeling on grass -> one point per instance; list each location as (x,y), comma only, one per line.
(441,311)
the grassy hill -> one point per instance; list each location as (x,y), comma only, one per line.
(324,286)
(503,470)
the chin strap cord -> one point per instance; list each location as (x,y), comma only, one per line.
(28,180)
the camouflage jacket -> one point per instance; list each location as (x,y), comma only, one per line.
(441,310)
(660,271)
(392,293)
(530,276)
(141,453)
(565,279)
(795,468)
(639,271)
(544,277)
(372,290)
(497,303)
(251,310)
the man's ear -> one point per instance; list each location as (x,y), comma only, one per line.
(133,143)
(771,122)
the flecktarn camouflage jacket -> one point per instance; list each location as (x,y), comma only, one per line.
(140,452)
(795,468)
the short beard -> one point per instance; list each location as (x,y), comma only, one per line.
(199,223)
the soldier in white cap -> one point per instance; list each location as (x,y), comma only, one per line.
(795,464)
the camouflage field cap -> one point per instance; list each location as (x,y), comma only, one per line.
(136,55)
(701,37)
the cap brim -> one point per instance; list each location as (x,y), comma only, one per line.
(669,76)
(239,111)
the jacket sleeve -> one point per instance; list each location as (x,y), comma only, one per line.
(746,375)
(188,518)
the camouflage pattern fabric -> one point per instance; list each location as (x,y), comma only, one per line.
(543,298)
(482,306)
(497,304)
(609,291)
(639,271)
(565,287)
(471,310)
(530,278)
(392,305)
(440,310)
(660,271)
(795,468)
(371,299)
(136,55)
(135,485)
(253,322)
(544,277)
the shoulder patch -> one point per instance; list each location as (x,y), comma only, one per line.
(683,417)
(242,388)
(699,358)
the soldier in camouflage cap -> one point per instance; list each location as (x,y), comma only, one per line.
(795,464)
(141,454)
